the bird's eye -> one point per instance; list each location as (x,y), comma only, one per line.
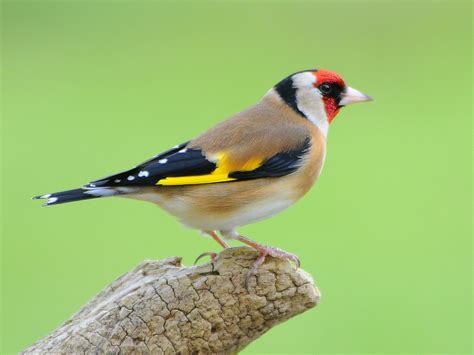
(325,88)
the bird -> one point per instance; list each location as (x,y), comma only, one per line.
(247,168)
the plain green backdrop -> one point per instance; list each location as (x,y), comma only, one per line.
(93,87)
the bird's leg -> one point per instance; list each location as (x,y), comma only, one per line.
(211,254)
(218,239)
(263,252)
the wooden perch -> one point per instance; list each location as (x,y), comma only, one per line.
(164,307)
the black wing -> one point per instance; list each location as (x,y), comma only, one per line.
(177,161)
(181,162)
(280,164)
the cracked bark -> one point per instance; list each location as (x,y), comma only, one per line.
(162,307)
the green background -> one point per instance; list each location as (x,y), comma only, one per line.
(91,88)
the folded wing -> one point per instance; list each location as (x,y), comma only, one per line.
(190,166)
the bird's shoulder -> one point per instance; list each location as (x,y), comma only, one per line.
(262,131)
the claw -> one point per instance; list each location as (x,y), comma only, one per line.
(296,260)
(277,253)
(212,255)
(247,281)
(253,270)
(263,252)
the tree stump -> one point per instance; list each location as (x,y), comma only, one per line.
(162,307)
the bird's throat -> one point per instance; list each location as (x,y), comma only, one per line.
(331,107)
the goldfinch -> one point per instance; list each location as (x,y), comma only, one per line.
(247,168)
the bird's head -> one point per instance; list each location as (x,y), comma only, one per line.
(318,95)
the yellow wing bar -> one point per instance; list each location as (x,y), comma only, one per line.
(194,180)
(220,174)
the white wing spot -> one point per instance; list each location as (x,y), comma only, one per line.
(92,185)
(163,161)
(46,196)
(183,150)
(143,173)
(117,180)
(52,200)
(130,178)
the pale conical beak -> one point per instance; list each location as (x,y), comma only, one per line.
(352,96)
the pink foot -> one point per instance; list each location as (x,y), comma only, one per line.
(263,252)
(211,254)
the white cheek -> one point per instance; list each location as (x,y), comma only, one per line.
(310,101)
(311,104)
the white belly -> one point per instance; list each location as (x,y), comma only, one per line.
(192,216)
(252,213)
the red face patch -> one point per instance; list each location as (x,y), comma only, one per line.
(330,103)
(331,107)
(326,76)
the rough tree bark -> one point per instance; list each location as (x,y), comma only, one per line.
(164,307)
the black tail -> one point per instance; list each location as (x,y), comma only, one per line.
(70,196)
